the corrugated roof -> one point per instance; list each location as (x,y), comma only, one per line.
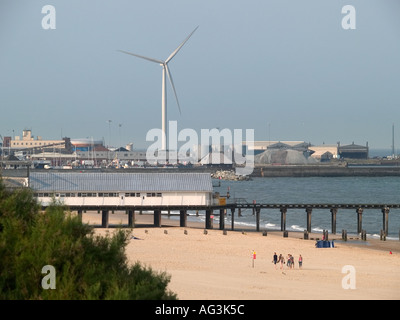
(353,147)
(125,182)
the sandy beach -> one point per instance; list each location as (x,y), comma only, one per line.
(217,266)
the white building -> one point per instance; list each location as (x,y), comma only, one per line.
(122,189)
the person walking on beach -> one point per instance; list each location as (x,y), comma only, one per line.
(281,260)
(275,259)
(289,261)
(300,262)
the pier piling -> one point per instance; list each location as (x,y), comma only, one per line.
(382,235)
(157,218)
(309,211)
(333,214)
(285,234)
(344,235)
(221,219)
(283,218)
(104,218)
(364,235)
(385,214)
(359,219)
(183,218)
(209,219)
(258,219)
(131,218)
(233,218)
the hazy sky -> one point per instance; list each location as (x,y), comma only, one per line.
(285,68)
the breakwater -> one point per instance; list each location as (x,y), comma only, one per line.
(324,171)
(317,170)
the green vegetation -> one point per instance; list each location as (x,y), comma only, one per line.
(87,266)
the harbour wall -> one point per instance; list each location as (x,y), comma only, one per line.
(259,171)
(324,171)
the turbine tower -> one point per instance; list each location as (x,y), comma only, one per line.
(165,72)
(393,151)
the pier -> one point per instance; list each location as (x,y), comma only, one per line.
(308,208)
(222,210)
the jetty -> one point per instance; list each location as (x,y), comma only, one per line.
(236,208)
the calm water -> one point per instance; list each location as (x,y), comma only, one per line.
(340,190)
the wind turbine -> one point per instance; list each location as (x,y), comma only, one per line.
(165,72)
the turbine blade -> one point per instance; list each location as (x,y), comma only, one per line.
(143,57)
(180,46)
(173,86)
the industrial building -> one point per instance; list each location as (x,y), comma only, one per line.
(325,152)
(87,145)
(353,151)
(322,153)
(28,141)
(122,189)
(261,146)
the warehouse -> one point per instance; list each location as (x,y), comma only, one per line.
(89,189)
(353,151)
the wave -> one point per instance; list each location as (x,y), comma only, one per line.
(295,227)
(271,226)
(377,236)
(318,229)
(246,224)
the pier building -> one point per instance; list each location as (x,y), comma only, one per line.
(99,189)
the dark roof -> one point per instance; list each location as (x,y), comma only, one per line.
(279,145)
(353,147)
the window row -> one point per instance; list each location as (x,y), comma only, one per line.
(36,143)
(94,194)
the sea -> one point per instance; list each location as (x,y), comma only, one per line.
(314,190)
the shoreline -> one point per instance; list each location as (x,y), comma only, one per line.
(145,220)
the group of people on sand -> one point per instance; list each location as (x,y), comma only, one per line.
(289,261)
